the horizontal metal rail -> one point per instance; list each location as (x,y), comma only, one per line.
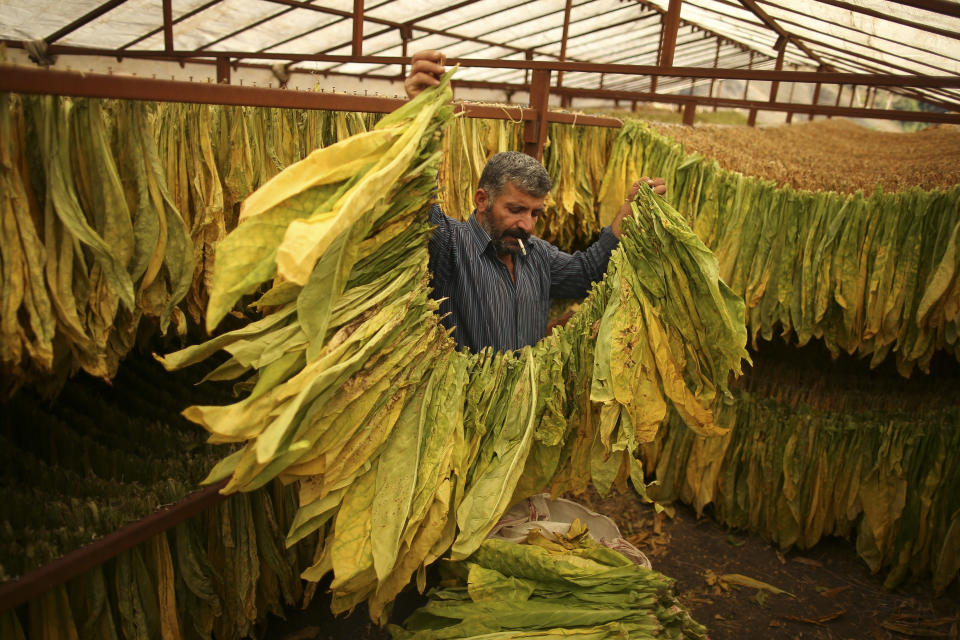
(75,563)
(97,85)
(831,77)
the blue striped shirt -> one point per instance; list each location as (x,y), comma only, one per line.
(482,303)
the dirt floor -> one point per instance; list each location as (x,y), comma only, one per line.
(830,593)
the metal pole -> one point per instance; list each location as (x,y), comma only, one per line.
(357,27)
(535,130)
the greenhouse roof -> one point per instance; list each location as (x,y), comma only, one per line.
(909,38)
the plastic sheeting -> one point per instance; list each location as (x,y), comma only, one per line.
(606,31)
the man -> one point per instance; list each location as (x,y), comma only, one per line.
(495,278)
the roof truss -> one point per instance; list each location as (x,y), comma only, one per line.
(682,34)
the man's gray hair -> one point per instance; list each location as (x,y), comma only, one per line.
(522,170)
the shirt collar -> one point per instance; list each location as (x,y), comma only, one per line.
(480,237)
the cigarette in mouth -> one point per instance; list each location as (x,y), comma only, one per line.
(523,249)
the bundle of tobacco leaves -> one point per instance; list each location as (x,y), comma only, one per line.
(551,586)
(868,273)
(403,448)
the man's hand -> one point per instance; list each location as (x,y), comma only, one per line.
(659,186)
(425,71)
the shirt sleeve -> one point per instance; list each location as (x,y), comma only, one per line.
(442,244)
(572,274)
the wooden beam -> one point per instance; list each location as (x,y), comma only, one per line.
(357,28)
(668,37)
(535,131)
(689,113)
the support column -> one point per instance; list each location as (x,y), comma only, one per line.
(564,99)
(168,25)
(223,70)
(357,28)
(713,81)
(781,46)
(535,131)
(816,97)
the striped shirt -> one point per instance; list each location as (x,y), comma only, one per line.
(482,303)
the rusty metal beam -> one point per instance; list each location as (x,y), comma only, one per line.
(396,25)
(406,30)
(563,39)
(650,5)
(223,70)
(535,130)
(775,85)
(840,4)
(413,24)
(893,80)
(185,16)
(83,20)
(853,42)
(816,97)
(861,64)
(943,7)
(168,25)
(28,80)
(780,31)
(244,28)
(111,545)
(357,44)
(716,64)
(668,35)
(879,38)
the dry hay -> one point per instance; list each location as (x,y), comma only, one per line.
(833,155)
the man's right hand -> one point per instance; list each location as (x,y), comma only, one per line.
(659,186)
(425,71)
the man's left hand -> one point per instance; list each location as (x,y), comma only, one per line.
(659,186)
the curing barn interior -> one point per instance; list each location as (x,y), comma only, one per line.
(567,318)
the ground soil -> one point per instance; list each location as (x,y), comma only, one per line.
(830,591)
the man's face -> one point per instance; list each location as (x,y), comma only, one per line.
(510,217)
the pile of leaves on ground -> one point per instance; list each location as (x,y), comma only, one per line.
(552,586)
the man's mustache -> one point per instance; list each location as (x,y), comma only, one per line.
(521,235)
